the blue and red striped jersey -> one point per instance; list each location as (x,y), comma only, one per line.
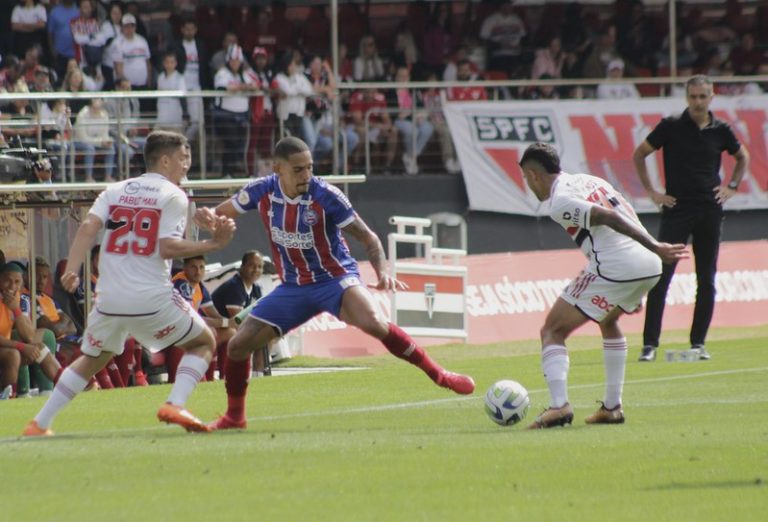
(304,232)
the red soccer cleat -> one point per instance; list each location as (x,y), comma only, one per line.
(461,384)
(33,430)
(140,379)
(173,414)
(227,423)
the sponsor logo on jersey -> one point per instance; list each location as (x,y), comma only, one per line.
(131,187)
(310,217)
(95,343)
(292,239)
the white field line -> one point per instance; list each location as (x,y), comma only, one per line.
(419,404)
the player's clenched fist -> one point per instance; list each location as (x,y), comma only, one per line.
(205,218)
(224,229)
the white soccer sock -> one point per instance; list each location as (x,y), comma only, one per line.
(190,372)
(615,359)
(555,363)
(69,385)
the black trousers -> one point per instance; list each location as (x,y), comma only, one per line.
(702,222)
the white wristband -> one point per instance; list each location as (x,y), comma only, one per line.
(224,322)
(43,354)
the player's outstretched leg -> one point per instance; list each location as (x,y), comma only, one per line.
(190,371)
(555,363)
(402,345)
(71,382)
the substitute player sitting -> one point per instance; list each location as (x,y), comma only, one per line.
(304,217)
(141,222)
(624,262)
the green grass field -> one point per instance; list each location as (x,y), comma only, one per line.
(385,444)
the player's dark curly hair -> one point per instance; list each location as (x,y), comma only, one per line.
(289,146)
(543,154)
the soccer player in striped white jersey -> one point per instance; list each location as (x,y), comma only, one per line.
(304,217)
(141,222)
(624,263)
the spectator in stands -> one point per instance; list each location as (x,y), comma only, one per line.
(549,60)
(439,38)
(346,66)
(503,33)
(231,116)
(574,33)
(466,93)
(49,313)
(133,59)
(433,103)
(746,58)
(11,79)
(411,121)
(543,92)
(244,24)
(161,40)
(31,64)
(236,293)
(450,73)
(85,33)
(34,346)
(60,40)
(193,60)
(20,111)
(132,8)
(262,114)
(368,66)
(219,58)
(74,82)
(368,110)
(92,137)
(637,40)
(603,51)
(615,90)
(293,89)
(319,106)
(128,134)
(189,283)
(171,112)
(107,38)
(405,53)
(28,21)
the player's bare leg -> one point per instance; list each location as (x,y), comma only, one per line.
(357,309)
(71,382)
(197,356)
(251,335)
(615,360)
(562,319)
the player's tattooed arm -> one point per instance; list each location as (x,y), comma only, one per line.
(668,253)
(373,247)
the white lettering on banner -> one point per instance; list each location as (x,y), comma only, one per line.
(741,286)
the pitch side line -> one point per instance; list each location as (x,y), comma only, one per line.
(386,407)
(405,405)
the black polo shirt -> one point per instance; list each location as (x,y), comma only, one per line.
(692,155)
(233,292)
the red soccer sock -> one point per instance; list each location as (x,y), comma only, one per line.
(137,355)
(102,377)
(402,345)
(114,374)
(221,357)
(173,357)
(237,374)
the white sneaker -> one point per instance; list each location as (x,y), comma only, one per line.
(411,167)
(7,391)
(452,166)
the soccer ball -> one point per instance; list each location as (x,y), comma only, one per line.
(507,402)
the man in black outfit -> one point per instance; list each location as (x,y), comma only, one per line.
(693,203)
(237,293)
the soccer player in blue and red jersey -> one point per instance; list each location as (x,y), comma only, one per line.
(304,218)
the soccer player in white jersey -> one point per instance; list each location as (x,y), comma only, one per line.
(624,263)
(141,222)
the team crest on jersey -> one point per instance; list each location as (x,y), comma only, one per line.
(504,137)
(243,198)
(310,217)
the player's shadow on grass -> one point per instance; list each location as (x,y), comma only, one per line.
(722,484)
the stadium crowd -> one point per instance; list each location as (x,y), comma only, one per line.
(278,57)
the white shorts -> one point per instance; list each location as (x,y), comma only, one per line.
(174,323)
(595,296)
